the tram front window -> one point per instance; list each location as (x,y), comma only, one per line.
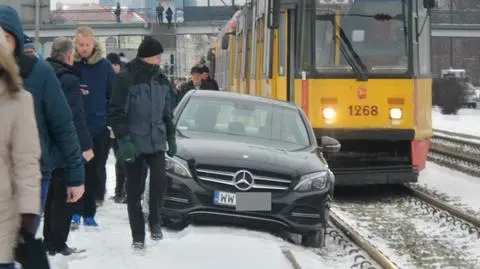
(376,30)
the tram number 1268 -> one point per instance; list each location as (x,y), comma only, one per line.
(358,110)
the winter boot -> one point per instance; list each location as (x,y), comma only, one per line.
(138,245)
(75,222)
(118,199)
(67,251)
(90,221)
(156,232)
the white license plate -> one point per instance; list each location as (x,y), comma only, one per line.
(225,198)
(243,201)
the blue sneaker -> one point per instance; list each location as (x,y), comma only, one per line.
(90,221)
(75,222)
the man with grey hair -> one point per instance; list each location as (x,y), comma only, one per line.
(57,212)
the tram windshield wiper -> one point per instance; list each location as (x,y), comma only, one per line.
(351,55)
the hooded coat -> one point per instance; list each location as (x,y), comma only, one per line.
(53,115)
(20,152)
(97,73)
(19,168)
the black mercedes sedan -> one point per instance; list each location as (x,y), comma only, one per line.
(248,160)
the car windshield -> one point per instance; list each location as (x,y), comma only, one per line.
(373,31)
(247,121)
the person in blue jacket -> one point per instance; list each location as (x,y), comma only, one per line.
(53,115)
(97,74)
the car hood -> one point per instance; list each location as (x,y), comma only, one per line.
(248,156)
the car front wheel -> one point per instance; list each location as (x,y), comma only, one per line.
(314,239)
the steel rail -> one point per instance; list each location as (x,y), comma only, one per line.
(443,206)
(369,248)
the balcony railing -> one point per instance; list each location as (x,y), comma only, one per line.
(139,15)
(467,17)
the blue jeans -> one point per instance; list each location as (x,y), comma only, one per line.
(7,266)
(43,199)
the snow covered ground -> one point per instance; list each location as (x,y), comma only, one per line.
(466,121)
(460,189)
(456,187)
(195,247)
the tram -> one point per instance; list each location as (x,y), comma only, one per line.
(360,69)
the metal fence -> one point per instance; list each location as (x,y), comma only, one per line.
(140,15)
(456,16)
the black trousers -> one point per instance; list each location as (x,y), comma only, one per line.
(57,216)
(101,189)
(136,187)
(95,177)
(120,173)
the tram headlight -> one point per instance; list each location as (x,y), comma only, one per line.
(329,113)
(396,113)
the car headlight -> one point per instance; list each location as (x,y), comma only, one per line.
(312,182)
(329,113)
(177,166)
(396,113)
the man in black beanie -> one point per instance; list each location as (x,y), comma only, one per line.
(141,118)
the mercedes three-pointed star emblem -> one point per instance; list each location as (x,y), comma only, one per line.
(243,180)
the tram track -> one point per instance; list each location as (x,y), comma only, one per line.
(357,252)
(377,230)
(458,151)
(373,252)
(357,226)
(409,223)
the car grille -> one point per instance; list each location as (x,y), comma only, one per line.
(224,176)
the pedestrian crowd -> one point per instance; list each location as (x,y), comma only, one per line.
(60,118)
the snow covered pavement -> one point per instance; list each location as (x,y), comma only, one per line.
(195,247)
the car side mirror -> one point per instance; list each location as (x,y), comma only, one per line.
(329,144)
(225,41)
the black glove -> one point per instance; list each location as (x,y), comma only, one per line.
(127,149)
(172,147)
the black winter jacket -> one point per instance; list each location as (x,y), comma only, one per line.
(141,107)
(212,84)
(188,86)
(69,80)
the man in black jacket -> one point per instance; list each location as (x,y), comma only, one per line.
(195,83)
(141,117)
(210,82)
(120,186)
(57,212)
